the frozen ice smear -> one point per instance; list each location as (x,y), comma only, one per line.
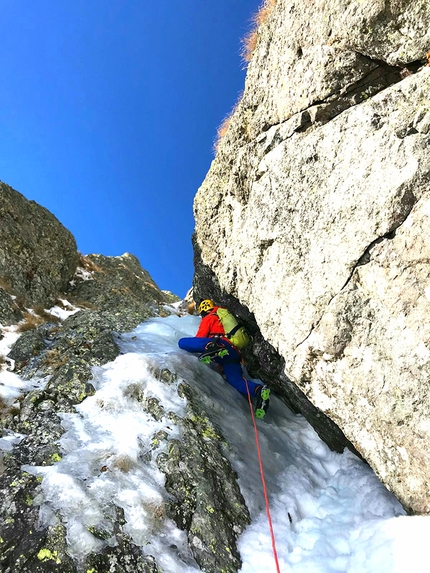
(12,386)
(9,440)
(330,513)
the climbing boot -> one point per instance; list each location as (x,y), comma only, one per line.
(262,403)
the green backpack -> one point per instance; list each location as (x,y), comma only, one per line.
(236,333)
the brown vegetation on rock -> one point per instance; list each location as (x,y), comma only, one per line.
(5,284)
(30,322)
(86,263)
(249,42)
(34,319)
(55,358)
(3,405)
(223,128)
(43,313)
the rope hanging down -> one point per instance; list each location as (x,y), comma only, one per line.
(263,481)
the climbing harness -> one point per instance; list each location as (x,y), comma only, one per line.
(263,481)
(212,350)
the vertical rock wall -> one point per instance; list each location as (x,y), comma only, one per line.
(314,216)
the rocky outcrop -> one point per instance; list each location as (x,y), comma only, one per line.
(118,286)
(39,265)
(38,255)
(64,355)
(207,502)
(313,217)
(10,313)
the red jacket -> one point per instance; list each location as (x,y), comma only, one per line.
(211,325)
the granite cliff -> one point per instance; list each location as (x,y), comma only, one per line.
(312,224)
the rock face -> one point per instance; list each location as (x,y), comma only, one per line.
(65,354)
(207,502)
(118,286)
(38,255)
(38,260)
(9,310)
(314,219)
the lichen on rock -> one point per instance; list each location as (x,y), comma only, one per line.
(207,502)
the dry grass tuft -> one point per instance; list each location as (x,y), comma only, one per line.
(264,12)
(43,313)
(32,321)
(5,285)
(8,410)
(55,358)
(80,303)
(249,42)
(221,131)
(3,405)
(223,128)
(20,302)
(87,264)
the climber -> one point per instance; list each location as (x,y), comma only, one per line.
(213,345)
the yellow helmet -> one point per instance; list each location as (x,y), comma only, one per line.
(206,305)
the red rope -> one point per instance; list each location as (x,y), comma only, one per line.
(263,481)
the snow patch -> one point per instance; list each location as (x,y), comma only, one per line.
(64,311)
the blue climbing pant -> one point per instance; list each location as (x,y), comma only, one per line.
(231,363)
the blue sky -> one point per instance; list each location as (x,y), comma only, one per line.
(108,113)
